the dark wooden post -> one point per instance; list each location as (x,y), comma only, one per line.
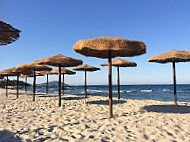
(26,84)
(85,86)
(118,82)
(17,85)
(63,86)
(110,84)
(174,79)
(47,84)
(34,85)
(59,84)
(7,86)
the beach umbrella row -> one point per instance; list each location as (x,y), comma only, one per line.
(7,73)
(120,63)
(29,75)
(64,71)
(33,67)
(59,61)
(109,47)
(86,68)
(55,72)
(13,72)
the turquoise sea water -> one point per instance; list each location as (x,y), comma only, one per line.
(139,92)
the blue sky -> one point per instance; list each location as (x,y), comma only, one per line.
(52,27)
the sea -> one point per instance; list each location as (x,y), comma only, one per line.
(138,92)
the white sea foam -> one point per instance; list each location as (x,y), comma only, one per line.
(94,91)
(146,90)
(166,90)
(131,91)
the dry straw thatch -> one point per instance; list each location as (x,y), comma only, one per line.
(86,67)
(8,72)
(63,71)
(31,75)
(59,60)
(8,34)
(171,56)
(99,47)
(33,66)
(121,63)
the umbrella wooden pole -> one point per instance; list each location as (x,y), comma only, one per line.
(47,84)
(110,84)
(17,85)
(34,85)
(174,79)
(59,85)
(7,86)
(25,84)
(118,82)
(63,87)
(85,86)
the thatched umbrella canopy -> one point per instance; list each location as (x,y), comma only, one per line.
(85,68)
(33,67)
(173,56)
(63,72)
(60,61)
(8,34)
(120,63)
(110,47)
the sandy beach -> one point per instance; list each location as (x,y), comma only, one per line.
(86,119)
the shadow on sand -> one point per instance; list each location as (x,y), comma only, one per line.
(167,108)
(48,96)
(73,98)
(106,102)
(7,136)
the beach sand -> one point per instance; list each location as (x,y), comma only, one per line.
(86,119)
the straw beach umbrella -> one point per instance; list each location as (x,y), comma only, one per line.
(63,72)
(86,68)
(120,63)
(14,72)
(109,47)
(60,61)
(18,73)
(47,78)
(33,67)
(8,34)
(26,77)
(7,73)
(173,56)
(29,75)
